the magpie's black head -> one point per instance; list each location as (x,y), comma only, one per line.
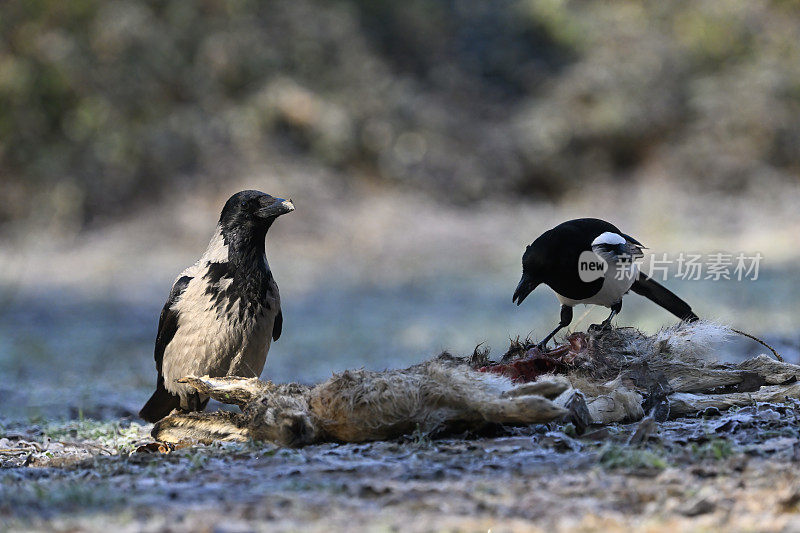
(531,275)
(525,286)
(252,211)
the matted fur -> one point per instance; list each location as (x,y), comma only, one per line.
(363,405)
(623,366)
(615,373)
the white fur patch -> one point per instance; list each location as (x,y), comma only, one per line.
(695,342)
(608,238)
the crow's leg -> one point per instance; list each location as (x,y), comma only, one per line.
(606,324)
(566,318)
(194,402)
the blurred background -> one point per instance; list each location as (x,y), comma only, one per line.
(424,143)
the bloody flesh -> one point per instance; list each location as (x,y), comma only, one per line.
(533,363)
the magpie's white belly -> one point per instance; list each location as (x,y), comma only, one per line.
(617,281)
(216,344)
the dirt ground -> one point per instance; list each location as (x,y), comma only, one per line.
(76,341)
(737,471)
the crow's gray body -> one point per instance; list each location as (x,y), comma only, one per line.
(213,338)
(222,312)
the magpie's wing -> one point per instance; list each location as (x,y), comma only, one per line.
(277,325)
(168,321)
(632,249)
(629,249)
(632,240)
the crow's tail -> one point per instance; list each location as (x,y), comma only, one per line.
(160,404)
(655,292)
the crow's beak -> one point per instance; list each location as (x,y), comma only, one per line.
(275,207)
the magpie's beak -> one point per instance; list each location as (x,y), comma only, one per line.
(525,287)
(274,207)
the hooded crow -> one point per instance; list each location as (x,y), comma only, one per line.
(590,261)
(223,311)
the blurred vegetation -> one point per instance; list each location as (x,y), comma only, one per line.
(105,104)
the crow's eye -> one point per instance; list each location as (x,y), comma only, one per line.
(243,203)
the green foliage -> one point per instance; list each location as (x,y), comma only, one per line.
(619,456)
(104,105)
(716,449)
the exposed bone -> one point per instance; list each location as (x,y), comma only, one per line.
(775,372)
(683,377)
(619,405)
(682,403)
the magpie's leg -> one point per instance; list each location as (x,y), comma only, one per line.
(566,318)
(606,324)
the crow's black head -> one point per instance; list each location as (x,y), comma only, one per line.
(252,211)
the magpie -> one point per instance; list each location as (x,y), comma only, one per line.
(223,311)
(590,261)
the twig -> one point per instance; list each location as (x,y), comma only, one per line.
(582,317)
(774,352)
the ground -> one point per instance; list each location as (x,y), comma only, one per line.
(381,287)
(734,471)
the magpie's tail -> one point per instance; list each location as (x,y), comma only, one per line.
(655,292)
(160,404)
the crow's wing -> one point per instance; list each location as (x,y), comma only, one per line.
(162,402)
(277,325)
(168,321)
